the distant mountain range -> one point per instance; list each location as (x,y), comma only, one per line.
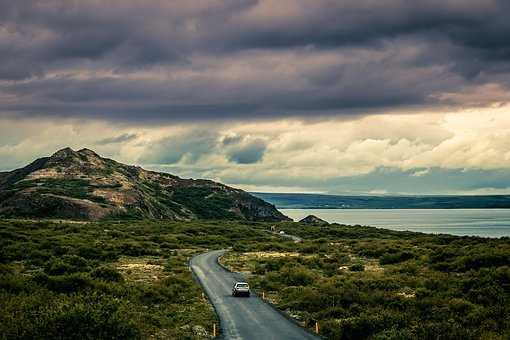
(316,201)
(83,185)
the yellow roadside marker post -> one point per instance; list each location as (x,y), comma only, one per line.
(263,295)
(317,327)
(214,330)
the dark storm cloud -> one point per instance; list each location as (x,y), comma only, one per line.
(180,59)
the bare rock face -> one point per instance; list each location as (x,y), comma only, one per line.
(83,185)
(312,219)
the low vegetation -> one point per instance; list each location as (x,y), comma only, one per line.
(130,280)
(126,280)
(368,283)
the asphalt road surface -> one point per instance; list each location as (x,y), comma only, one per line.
(241,317)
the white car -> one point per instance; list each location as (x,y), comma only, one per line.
(240,289)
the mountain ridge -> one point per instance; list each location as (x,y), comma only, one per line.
(83,185)
(323,201)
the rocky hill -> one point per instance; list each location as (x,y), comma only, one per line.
(312,219)
(83,185)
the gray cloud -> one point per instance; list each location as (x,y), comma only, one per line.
(247,153)
(393,181)
(126,137)
(156,61)
(230,140)
(189,146)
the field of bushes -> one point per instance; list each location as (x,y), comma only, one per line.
(368,283)
(130,280)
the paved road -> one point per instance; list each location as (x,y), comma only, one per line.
(241,318)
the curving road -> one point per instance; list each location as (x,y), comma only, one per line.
(241,318)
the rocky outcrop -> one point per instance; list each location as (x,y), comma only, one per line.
(83,185)
(312,219)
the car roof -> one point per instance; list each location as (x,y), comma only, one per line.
(241,282)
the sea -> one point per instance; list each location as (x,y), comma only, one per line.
(462,222)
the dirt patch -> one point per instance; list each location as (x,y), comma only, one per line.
(373,266)
(45,173)
(406,295)
(112,196)
(141,269)
(268,254)
(370,265)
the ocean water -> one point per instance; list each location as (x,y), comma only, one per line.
(471,222)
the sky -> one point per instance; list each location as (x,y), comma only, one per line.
(324,96)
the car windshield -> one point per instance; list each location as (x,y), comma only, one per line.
(242,285)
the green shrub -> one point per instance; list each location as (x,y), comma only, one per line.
(89,252)
(107,274)
(15,284)
(42,316)
(101,320)
(296,276)
(64,283)
(490,259)
(57,267)
(39,257)
(66,264)
(5,269)
(358,267)
(396,257)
